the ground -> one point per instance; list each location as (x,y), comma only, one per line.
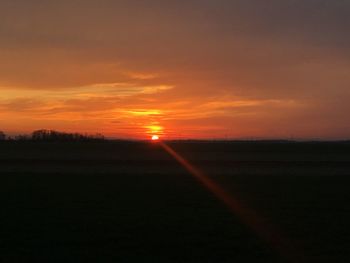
(132,202)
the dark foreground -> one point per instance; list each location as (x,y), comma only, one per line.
(132,202)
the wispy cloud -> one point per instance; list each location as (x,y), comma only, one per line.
(202,67)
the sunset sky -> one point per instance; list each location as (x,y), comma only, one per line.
(177,69)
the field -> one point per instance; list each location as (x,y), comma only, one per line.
(133,202)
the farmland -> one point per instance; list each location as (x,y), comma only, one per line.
(133,202)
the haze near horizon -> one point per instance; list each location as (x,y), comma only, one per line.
(176,69)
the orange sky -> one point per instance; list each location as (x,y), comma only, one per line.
(197,69)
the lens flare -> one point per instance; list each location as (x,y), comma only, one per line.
(248,216)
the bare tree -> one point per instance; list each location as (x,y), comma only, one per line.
(2,136)
(22,137)
(41,135)
(50,135)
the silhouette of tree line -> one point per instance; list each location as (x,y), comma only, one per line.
(2,136)
(51,135)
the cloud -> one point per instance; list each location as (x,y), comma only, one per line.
(188,60)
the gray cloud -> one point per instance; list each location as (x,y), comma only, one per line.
(291,49)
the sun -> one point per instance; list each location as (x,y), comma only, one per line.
(155,138)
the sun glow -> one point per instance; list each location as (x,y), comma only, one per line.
(155,138)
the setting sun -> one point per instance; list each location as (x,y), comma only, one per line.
(155,138)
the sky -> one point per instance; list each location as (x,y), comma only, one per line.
(198,69)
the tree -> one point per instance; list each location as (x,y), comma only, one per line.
(50,135)
(22,137)
(41,135)
(2,136)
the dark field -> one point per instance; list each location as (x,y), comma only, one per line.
(132,202)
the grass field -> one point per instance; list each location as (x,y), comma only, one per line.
(132,202)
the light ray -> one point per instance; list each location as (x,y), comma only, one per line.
(247,215)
